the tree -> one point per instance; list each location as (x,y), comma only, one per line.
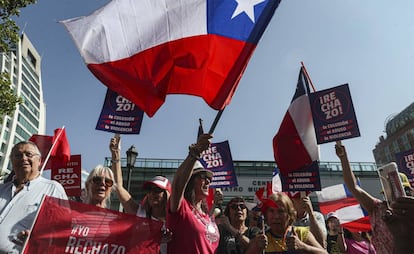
(9,37)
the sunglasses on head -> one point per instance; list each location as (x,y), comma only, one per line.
(238,206)
(99,179)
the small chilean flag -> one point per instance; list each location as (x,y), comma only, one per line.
(146,49)
(294,145)
(338,199)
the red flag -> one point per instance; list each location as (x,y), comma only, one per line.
(61,148)
(152,50)
(82,228)
(57,146)
(294,145)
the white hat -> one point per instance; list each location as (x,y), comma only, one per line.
(198,167)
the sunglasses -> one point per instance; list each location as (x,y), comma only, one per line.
(98,180)
(204,176)
(155,189)
(238,206)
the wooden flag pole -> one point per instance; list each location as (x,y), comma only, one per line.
(213,126)
(307,76)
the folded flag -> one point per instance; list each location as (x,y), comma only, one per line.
(338,199)
(147,49)
(294,145)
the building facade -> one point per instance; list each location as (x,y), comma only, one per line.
(399,138)
(251,175)
(23,64)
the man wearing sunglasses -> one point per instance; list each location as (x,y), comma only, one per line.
(21,197)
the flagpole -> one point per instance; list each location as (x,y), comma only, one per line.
(213,126)
(51,149)
(307,76)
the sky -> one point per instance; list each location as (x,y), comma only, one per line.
(367,44)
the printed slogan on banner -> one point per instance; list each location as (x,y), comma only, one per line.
(333,114)
(119,115)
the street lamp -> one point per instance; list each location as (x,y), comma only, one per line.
(132,154)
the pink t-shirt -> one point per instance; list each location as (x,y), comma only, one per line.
(355,247)
(193,232)
(382,238)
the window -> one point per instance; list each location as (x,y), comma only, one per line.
(31,58)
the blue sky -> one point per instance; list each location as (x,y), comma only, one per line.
(367,44)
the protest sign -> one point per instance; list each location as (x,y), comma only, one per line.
(304,179)
(218,159)
(119,115)
(333,114)
(69,175)
(405,162)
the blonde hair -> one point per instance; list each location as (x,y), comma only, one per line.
(98,171)
(282,198)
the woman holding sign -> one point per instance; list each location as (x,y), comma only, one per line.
(153,206)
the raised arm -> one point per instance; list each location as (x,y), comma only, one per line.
(129,205)
(363,197)
(184,171)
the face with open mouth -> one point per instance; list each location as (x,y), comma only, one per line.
(101,187)
(201,184)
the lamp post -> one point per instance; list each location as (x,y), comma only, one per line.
(132,154)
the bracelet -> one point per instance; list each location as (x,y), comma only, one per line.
(114,160)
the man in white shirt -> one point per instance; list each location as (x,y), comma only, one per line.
(20,198)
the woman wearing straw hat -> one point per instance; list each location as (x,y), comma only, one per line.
(188,217)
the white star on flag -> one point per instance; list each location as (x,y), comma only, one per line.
(246,6)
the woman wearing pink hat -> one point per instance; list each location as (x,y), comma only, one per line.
(154,204)
(158,188)
(194,232)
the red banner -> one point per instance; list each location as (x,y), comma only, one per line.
(64,226)
(70,176)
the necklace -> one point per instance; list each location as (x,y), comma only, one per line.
(279,242)
(210,227)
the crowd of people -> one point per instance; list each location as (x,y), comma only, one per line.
(280,223)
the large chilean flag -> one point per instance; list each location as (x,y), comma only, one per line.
(146,49)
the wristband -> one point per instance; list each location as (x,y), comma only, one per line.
(114,160)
